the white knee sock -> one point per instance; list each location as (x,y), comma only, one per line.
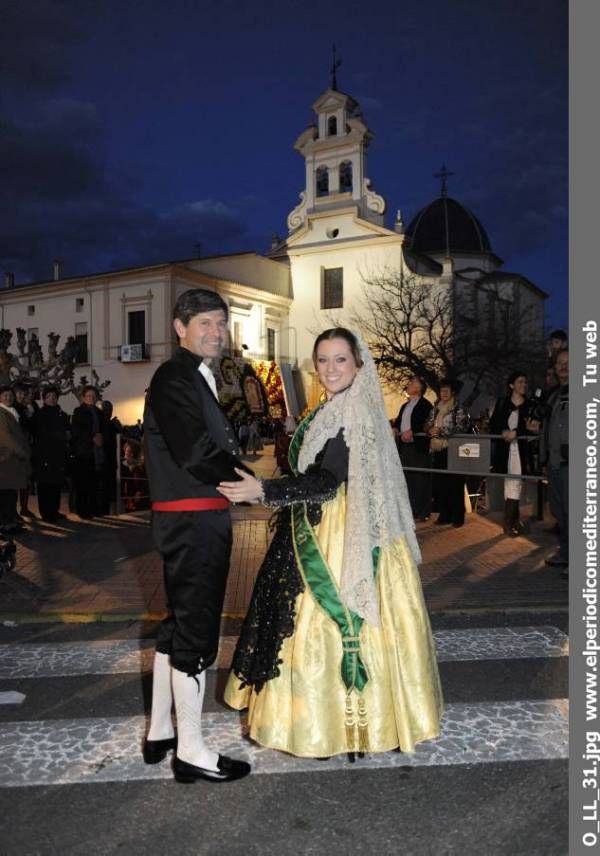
(161,723)
(189,696)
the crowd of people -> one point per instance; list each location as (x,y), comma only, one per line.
(530,436)
(43,449)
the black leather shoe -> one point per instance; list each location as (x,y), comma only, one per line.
(155,751)
(228,771)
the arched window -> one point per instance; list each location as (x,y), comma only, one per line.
(332,126)
(322,181)
(345,177)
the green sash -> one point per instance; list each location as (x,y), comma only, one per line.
(316,575)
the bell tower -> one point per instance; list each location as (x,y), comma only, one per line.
(334,149)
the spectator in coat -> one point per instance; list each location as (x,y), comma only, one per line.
(414,450)
(556,457)
(446,418)
(108,475)
(50,429)
(26,408)
(88,440)
(513,453)
(15,463)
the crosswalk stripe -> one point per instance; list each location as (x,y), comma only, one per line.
(70,751)
(127,656)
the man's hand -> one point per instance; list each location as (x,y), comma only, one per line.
(407,436)
(97,438)
(509,436)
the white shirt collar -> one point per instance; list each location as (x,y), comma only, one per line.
(209,378)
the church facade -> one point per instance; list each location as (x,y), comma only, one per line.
(337,241)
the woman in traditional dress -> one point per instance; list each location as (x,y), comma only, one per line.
(336,653)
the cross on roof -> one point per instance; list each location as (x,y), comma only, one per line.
(443,174)
(336,61)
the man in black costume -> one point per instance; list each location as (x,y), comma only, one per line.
(190,447)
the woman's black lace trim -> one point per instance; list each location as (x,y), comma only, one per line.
(271,615)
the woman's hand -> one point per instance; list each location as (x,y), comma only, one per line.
(509,436)
(249,489)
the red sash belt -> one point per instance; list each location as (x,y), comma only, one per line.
(200,503)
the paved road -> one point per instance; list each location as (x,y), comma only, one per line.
(72,780)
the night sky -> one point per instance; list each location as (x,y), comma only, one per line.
(133,130)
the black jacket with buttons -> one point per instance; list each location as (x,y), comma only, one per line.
(190,445)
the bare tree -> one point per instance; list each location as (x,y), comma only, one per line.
(416,326)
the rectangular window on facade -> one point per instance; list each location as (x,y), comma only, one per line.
(136,327)
(270,343)
(31,310)
(332,290)
(33,331)
(79,304)
(81,338)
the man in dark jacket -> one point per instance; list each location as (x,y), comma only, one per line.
(190,447)
(414,450)
(555,452)
(49,427)
(88,441)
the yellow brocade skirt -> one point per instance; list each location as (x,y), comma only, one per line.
(303,710)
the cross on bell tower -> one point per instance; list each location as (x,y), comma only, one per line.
(443,174)
(336,61)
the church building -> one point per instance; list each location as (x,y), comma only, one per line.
(337,239)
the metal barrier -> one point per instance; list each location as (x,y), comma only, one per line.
(133,492)
(471,454)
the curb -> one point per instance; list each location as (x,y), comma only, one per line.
(121,617)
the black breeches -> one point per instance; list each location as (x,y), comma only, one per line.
(195,547)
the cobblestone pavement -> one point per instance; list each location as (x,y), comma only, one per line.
(108,568)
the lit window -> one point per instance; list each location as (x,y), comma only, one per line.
(31,310)
(79,304)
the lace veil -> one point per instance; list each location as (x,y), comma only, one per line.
(378,509)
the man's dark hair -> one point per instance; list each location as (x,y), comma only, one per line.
(558,334)
(24,387)
(48,389)
(6,387)
(87,388)
(197,300)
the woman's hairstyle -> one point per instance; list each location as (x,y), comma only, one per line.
(512,378)
(339,333)
(87,388)
(48,389)
(197,300)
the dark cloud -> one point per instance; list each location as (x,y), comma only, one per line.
(35,37)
